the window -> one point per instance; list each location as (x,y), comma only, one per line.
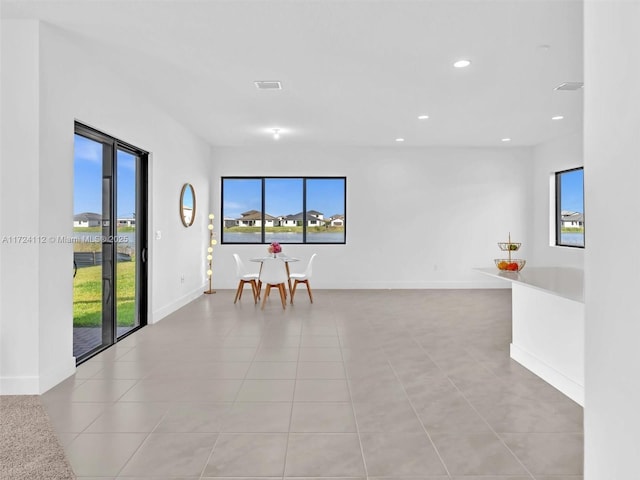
(283,209)
(570,208)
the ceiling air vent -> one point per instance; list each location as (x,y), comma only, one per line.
(268,85)
(570,86)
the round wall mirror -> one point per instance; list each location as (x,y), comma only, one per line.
(187,205)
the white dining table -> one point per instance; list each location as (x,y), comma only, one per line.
(285,258)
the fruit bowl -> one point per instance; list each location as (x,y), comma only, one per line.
(509,246)
(513,265)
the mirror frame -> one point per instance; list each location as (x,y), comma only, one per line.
(193,212)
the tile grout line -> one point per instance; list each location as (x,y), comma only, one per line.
(146,438)
(474,408)
(353,410)
(418,416)
(295,385)
(233,402)
(148,434)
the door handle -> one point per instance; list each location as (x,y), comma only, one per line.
(143,255)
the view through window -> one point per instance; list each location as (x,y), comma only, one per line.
(570,208)
(283,209)
(109,241)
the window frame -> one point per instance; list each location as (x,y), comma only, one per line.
(263,180)
(558,209)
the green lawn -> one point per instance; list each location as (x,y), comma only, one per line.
(87,295)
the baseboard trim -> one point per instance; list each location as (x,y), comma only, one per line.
(162,312)
(553,377)
(38,384)
(25,385)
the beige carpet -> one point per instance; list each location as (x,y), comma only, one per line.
(29,448)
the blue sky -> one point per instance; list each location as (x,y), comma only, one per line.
(283,196)
(88,178)
(572,191)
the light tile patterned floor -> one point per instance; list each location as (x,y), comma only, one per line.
(361,384)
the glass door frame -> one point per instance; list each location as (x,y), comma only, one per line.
(109,224)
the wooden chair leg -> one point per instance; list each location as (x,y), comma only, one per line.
(254,288)
(283,295)
(266,294)
(309,290)
(239,291)
(293,290)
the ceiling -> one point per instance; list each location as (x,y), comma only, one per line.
(354,72)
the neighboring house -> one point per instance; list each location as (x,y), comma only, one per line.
(572,219)
(253,218)
(336,221)
(314,219)
(127,222)
(229,222)
(87,220)
(291,220)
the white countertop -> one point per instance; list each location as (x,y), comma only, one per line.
(565,282)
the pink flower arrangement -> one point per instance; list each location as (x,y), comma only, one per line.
(275,248)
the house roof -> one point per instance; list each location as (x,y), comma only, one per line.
(87,217)
(255,215)
(572,216)
(311,215)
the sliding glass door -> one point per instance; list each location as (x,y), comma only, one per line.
(109,294)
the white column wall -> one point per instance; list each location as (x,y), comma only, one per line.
(416,217)
(54,81)
(612,259)
(19,276)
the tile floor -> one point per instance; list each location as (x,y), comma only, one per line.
(361,384)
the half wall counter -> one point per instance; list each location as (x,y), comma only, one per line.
(548,324)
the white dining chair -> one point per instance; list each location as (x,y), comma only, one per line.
(274,274)
(303,278)
(245,277)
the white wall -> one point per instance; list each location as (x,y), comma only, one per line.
(416,217)
(561,154)
(19,278)
(51,82)
(612,259)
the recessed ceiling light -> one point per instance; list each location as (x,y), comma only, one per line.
(462,63)
(276,133)
(557,117)
(268,85)
(423,117)
(569,86)
(506,139)
(399,139)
